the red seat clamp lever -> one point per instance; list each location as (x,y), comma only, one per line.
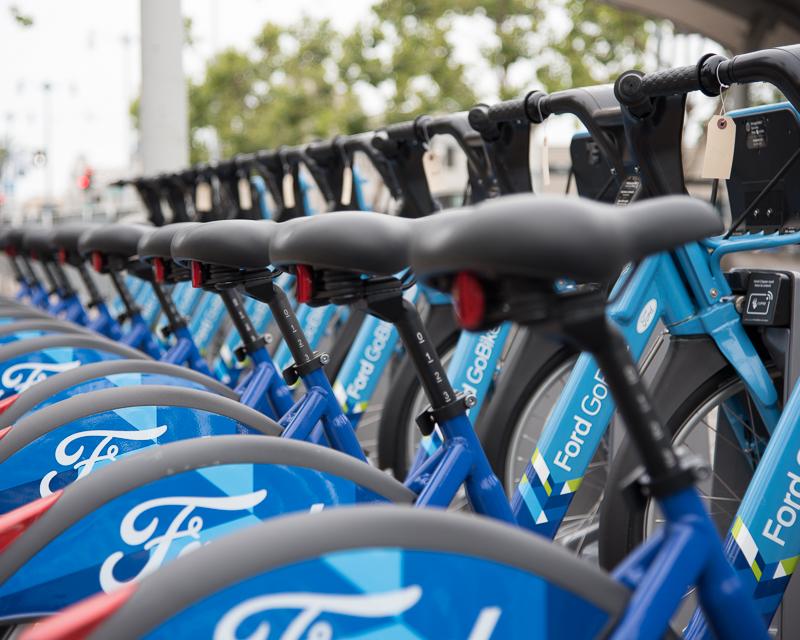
(62,255)
(159,270)
(5,403)
(304,286)
(14,523)
(470,301)
(97,261)
(81,619)
(197,275)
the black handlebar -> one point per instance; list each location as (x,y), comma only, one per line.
(779,66)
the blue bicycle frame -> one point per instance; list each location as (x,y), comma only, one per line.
(658,290)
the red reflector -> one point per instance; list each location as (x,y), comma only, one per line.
(97,261)
(197,275)
(5,403)
(304,287)
(62,255)
(158,267)
(11,251)
(81,619)
(469,300)
(14,523)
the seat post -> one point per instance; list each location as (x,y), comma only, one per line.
(405,317)
(174,319)
(131,308)
(95,297)
(251,340)
(590,329)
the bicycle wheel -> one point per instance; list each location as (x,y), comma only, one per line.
(706,421)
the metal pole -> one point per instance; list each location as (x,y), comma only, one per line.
(163,111)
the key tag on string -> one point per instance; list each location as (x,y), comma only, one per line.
(347,185)
(432,167)
(245,196)
(545,150)
(287,187)
(202,197)
(720,142)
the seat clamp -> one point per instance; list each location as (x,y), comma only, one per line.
(169,329)
(428,419)
(242,352)
(294,372)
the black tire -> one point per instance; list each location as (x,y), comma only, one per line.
(396,417)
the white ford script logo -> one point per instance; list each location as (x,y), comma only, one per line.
(313,605)
(19,377)
(104,449)
(159,546)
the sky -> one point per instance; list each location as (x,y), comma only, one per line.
(87,51)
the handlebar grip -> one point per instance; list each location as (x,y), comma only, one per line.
(402,130)
(509,110)
(672,81)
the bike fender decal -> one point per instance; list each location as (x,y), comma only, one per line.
(135,533)
(391,592)
(74,450)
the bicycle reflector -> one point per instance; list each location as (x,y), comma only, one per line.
(159,270)
(197,275)
(304,287)
(97,261)
(470,302)
(62,255)
(14,523)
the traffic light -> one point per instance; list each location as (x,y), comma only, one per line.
(85,179)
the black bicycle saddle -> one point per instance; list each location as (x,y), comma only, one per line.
(11,238)
(67,236)
(359,241)
(118,239)
(158,244)
(550,238)
(38,242)
(237,244)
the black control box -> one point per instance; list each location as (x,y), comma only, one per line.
(768,299)
(766,139)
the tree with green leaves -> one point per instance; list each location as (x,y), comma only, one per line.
(308,80)
(287,90)
(409,40)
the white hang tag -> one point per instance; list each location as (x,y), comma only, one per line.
(347,186)
(245,196)
(430,164)
(202,197)
(288,190)
(545,162)
(720,142)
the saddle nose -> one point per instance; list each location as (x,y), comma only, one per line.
(119,240)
